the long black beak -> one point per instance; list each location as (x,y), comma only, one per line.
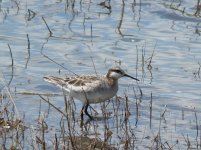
(126,75)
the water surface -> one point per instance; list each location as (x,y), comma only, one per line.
(88,38)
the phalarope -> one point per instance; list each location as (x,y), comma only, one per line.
(91,89)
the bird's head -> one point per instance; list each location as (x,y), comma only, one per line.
(117,72)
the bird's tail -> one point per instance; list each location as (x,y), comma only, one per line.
(55,80)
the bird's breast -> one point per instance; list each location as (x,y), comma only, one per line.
(102,94)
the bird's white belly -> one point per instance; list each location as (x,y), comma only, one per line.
(97,96)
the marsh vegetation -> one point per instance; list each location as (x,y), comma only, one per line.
(156,41)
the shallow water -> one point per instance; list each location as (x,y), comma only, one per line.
(87,35)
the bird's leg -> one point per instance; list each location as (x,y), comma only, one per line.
(86,112)
(81,112)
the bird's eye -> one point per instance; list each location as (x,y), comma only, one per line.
(117,71)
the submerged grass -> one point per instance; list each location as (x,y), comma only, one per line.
(11,125)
